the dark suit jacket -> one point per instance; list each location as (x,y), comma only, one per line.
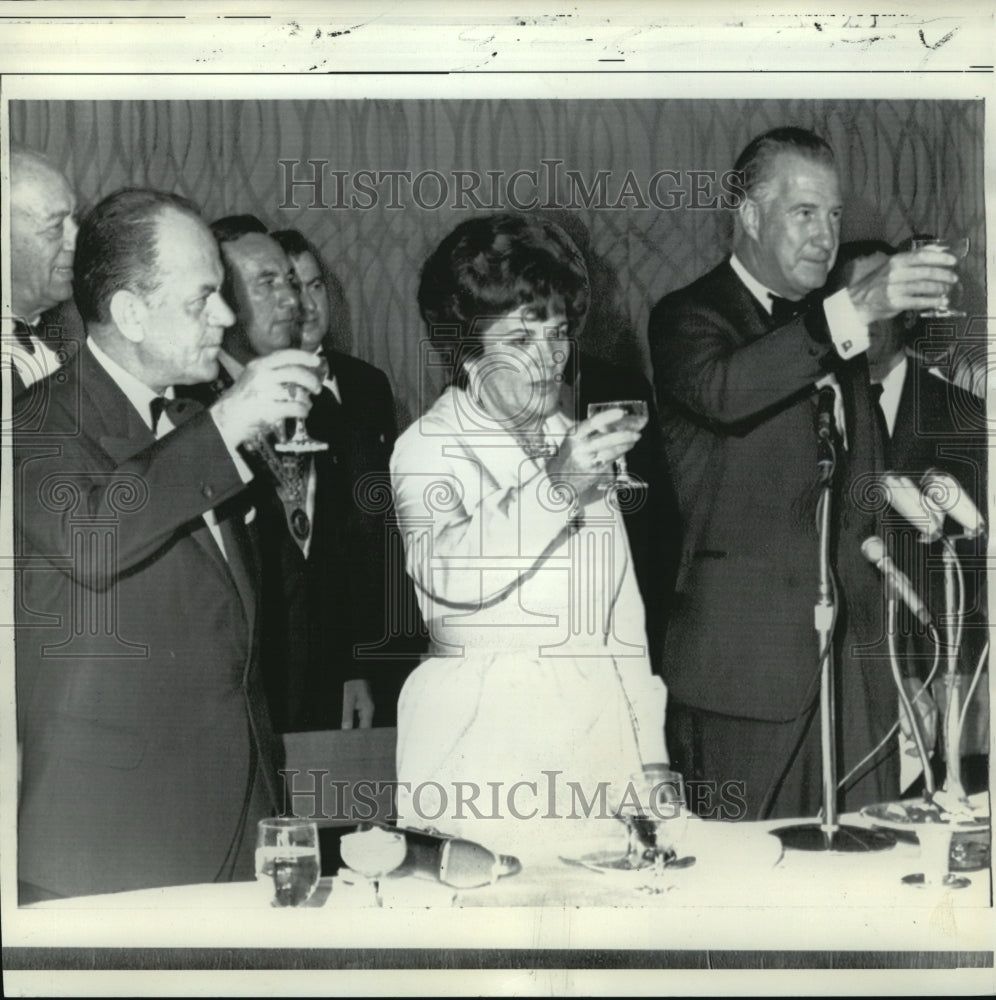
(347,611)
(939,425)
(139,700)
(737,410)
(353,585)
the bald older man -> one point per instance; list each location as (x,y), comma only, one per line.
(42,242)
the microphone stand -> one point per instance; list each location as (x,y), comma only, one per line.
(954,599)
(829,835)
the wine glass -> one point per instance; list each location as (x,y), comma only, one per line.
(288,863)
(957,247)
(301,442)
(631,408)
(935,858)
(654,811)
(373,853)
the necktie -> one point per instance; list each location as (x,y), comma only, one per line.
(876,390)
(23,334)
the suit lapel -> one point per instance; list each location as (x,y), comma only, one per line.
(241,561)
(331,465)
(864,438)
(180,412)
(904,428)
(122,432)
(236,561)
(748,318)
(115,413)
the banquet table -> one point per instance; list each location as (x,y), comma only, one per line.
(742,891)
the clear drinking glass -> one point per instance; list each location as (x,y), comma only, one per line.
(957,247)
(631,408)
(288,863)
(935,858)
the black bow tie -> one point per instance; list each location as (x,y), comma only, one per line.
(783,310)
(159,405)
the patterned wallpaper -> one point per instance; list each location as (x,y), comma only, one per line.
(906,166)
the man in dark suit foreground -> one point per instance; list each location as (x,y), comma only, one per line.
(738,356)
(148,750)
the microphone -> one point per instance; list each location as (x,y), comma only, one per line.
(943,494)
(899,584)
(463,864)
(905,497)
(825,405)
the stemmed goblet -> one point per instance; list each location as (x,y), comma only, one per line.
(654,811)
(374,853)
(300,442)
(631,408)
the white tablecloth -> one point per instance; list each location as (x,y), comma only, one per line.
(740,865)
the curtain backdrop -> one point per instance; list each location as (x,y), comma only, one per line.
(906,166)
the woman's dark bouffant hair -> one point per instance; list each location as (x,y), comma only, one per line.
(488,267)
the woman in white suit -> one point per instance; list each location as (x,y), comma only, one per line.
(537,701)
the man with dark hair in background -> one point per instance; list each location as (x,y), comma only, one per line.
(305,596)
(148,749)
(739,356)
(927,422)
(42,239)
(354,595)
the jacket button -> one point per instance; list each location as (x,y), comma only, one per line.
(208,490)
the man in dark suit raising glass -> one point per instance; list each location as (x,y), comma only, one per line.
(148,749)
(740,357)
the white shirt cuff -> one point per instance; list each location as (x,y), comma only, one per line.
(245,473)
(848,333)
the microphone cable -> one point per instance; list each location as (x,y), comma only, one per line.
(894,728)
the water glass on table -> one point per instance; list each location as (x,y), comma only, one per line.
(288,862)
